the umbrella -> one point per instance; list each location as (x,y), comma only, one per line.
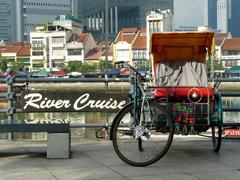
(75,74)
(125,72)
(113,72)
(41,74)
(60,73)
(22,74)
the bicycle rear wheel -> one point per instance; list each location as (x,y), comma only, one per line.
(145,143)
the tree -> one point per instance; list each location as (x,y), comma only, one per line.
(74,66)
(17,65)
(3,64)
(104,65)
(88,67)
(217,65)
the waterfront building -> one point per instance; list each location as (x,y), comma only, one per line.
(158,21)
(122,14)
(231,53)
(14,51)
(210,13)
(122,46)
(219,39)
(139,50)
(55,46)
(130,47)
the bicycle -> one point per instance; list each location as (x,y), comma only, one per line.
(142,131)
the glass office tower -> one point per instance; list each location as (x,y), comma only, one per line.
(122,13)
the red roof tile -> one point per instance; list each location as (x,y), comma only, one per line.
(79,38)
(25,51)
(20,48)
(129,30)
(220,37)
(127,34)
(93,54)
(12,49)
(141,40)
(231,44)
(218,41)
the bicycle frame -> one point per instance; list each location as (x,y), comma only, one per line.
(138,97)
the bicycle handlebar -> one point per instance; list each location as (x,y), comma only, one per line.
(136,71)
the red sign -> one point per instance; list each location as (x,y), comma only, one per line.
(232,132)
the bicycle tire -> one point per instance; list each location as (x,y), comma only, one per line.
(151,148)
(217,126)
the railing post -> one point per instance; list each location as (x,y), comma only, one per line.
(10,97)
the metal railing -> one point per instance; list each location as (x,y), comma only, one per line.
(10,95)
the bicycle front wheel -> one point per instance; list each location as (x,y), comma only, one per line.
(145,143)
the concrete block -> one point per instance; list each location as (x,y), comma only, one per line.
(58,145)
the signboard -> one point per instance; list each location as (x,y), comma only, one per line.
(72,101)
(232,132)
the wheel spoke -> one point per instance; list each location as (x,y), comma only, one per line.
(154,143)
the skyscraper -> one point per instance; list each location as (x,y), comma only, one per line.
(32,13)
(210,13)
(122,13)
(6,20)
(223,15)
(234,26)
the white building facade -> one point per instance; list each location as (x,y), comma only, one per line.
(158,21)
(55,46)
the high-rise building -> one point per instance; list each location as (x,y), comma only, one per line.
(235,19)
(223,15)
(158,21)
(121,13)
(6,20)
(33,13)
(210,13)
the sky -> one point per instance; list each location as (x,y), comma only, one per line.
(188,13)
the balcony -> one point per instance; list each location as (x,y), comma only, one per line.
(58,56)
(58,45)
(37,57)
(230,57)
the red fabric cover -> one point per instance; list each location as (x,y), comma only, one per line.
(182,92)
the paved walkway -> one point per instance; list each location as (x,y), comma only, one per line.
(188,159)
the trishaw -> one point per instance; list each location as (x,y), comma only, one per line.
(180,101)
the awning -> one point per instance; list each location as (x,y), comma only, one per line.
(234,69)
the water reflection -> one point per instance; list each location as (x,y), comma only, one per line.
(73,118)
(89,117)
(231,102)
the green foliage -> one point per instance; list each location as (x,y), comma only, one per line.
(17,65)
(104,65)
(88,68)
(3,64)
(74,66)
(217,65)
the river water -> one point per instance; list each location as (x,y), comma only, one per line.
(90,117)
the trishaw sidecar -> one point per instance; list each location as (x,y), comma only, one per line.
(182,101)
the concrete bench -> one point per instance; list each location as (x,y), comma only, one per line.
(58,139)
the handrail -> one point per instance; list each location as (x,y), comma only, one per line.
(24,80)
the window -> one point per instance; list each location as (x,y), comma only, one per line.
(58,40)
(37,53)
(73,52)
